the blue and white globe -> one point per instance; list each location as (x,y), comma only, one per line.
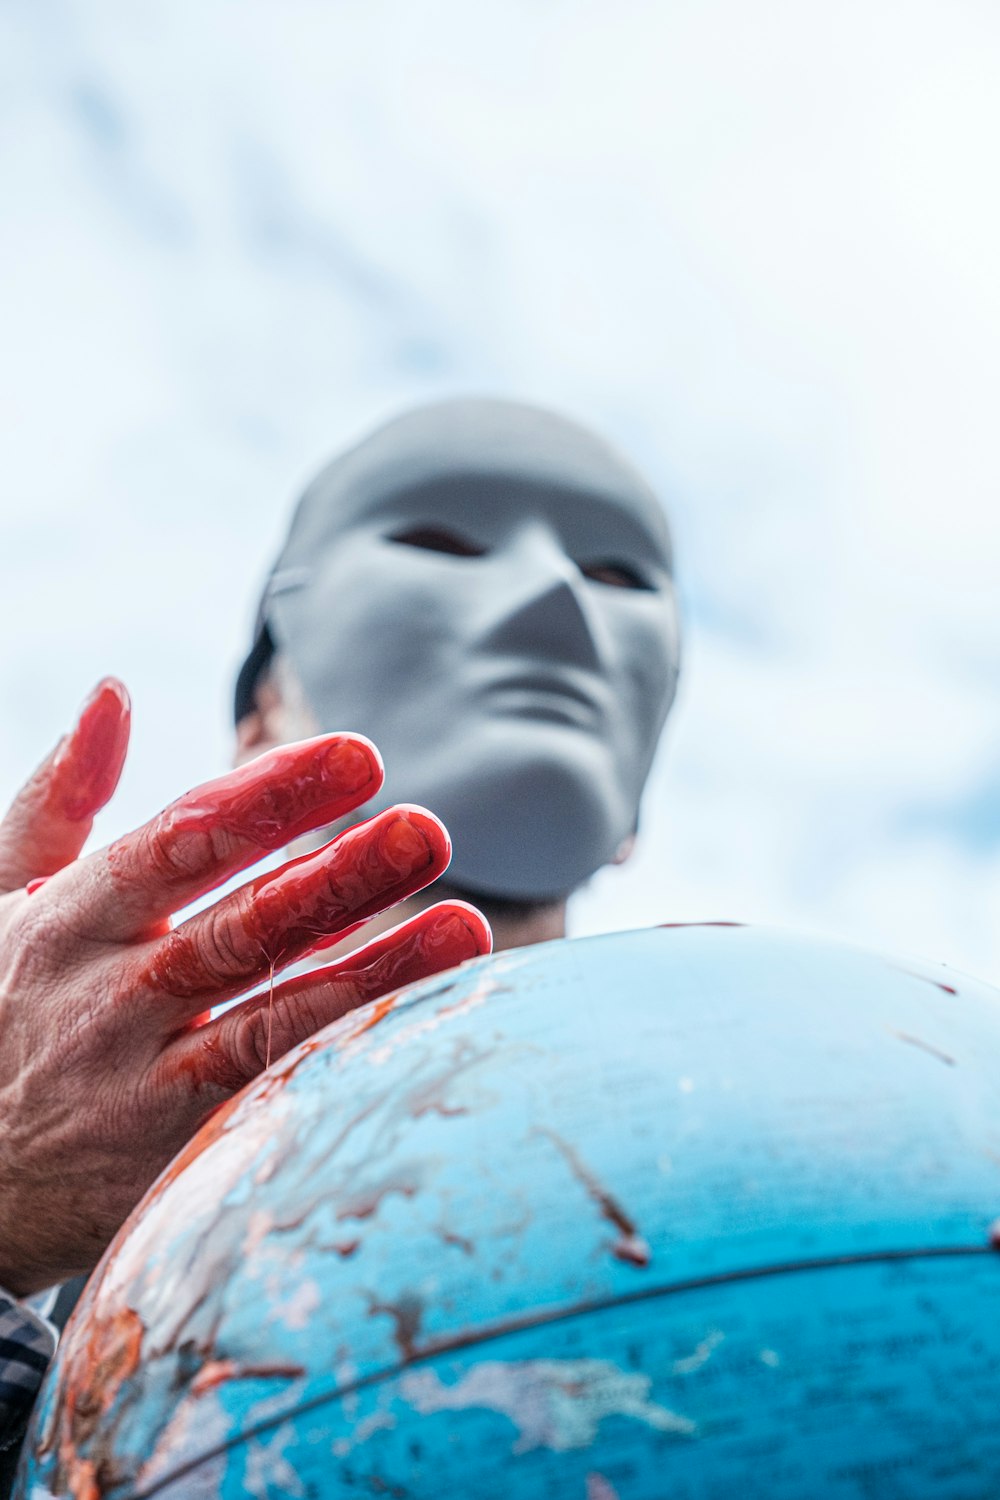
(666,1215)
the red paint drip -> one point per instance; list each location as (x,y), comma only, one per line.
(216,1372)
(450,1237)
(370,1016)
(366,1201)
(939,984)
(270,1015)
(632,1249)
(629,1247)
(407,1316)
(922,1046)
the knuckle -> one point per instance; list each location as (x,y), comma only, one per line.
(178,849)
(266,1031)
(31,927)
(294,1022)
(222,947)
(209,957)
(37,933)
(250,1043)
(212,1073)
(273,808)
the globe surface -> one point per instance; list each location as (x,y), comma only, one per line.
(655,1216)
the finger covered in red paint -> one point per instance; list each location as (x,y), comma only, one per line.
(231,1050)
(88,765)
(51,817)
(279,917)
(213,832)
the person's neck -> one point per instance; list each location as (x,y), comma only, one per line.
(515,924)
(519,929)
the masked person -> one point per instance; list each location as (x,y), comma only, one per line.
(486,589)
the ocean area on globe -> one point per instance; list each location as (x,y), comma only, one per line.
(659,1215)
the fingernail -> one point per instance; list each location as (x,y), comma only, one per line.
(35,885)
(350,766)
(405,847)
(466,927)
(459,937)
(94,753)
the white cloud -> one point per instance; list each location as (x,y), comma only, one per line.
(755,244)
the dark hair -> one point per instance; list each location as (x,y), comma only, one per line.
(251,672)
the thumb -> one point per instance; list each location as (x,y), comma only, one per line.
(52,815)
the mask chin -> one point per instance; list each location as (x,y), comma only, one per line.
(532,828)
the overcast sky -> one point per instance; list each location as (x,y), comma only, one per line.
(757,245)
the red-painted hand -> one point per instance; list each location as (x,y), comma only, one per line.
(105,1069)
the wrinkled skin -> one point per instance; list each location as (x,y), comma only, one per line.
(108,1060)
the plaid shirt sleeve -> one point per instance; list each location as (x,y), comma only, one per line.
(27,1343)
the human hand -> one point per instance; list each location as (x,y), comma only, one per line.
(107,1061)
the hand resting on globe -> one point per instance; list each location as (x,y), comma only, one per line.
(108,1060)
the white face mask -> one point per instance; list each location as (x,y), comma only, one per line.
(485,590)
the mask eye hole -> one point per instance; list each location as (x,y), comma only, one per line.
(437,539)
(616,575)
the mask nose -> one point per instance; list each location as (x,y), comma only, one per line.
(549,615)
